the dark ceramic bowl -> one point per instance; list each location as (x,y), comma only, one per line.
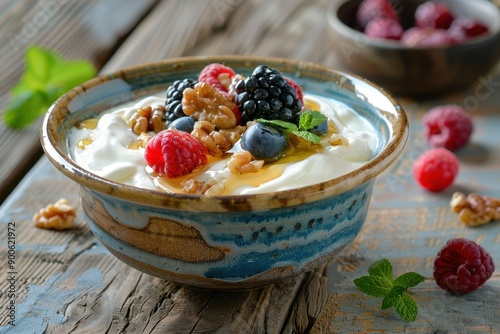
(416,71)
(225,242)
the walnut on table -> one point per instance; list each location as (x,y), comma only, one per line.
(475,209)
(58,216)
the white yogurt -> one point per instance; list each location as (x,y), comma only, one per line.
(108,154)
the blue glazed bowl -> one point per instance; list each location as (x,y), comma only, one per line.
(225,242)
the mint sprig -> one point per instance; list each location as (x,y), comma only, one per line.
(46,77)
(308,120)
(380,283)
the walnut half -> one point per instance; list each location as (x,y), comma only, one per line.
(58,216)
(474,209)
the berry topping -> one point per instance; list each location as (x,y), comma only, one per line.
(217,75)
(264,142)
(462,266)
(296,87)
(448,126)
(436,169)
(417,36)
(320,129)
(374,9)
(185,124)
(174,153)
(384,28)
(432,14)
(173,103)
(465,28)
(266,94)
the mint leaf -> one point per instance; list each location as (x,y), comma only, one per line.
(281,124)
(409,280)
(382,268)
(390,298)
(380,284)
(67,75)
(406,307)
(24,108)
(309,119)
(46,77)
(315,139)
(375,286)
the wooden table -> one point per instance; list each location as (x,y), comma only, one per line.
(66,282)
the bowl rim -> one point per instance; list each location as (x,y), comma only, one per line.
(337,25)
(61,159)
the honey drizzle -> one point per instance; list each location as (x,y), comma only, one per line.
(89,124)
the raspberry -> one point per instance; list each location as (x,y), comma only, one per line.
(448,126)
(373,9)
(384,28)
(174,153)
(217,75)
(431,14)
(464,28)
(436,169)
(296,87)
(462,266)
(417,36)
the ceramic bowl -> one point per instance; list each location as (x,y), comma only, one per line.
(225,242)
(416,71)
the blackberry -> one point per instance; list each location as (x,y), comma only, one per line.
(173,103)
(266,94)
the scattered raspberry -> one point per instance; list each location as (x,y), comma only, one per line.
(373,9)
(384,28)
(417,36)
(217,75)
(448,126)
(436,169)
(462,266)
(174,153)
(296,87)
(432,14)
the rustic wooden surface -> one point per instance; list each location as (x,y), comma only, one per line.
(68,283)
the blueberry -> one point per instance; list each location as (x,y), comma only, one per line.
(185,124)
(264,142)
(320,129)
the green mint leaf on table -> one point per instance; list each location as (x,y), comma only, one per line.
(409,280)
(308,120)
(390,299)
(380,283)
(46,77)
(374,286)
(382,268)
(406,307)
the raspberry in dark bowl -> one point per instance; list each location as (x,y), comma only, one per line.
(445,48)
